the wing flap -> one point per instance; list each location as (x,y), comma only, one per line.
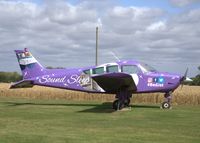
(112,82)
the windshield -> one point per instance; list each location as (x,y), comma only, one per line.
(147,68)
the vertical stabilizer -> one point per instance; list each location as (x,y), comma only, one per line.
(30,67)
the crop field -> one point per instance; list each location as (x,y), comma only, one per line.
(46,115)
(188,95)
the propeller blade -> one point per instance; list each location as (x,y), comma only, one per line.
(183,78)
(185,75)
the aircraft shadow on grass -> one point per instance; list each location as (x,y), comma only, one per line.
(95,108)
(105,108)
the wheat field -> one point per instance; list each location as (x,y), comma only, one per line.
(188,95)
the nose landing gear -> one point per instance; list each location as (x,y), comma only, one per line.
(167,103)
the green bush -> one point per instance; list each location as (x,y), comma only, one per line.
(10,77)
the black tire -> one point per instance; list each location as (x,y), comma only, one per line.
(166,105)
(117,105)
(114,105)
(127,102)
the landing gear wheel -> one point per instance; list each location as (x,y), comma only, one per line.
(166,105)
(117,105)
(127,102)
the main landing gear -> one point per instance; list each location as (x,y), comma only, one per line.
(122,100)
(167,102)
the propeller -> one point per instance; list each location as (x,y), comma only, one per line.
(184,78)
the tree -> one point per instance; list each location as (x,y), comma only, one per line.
(196,79)
(49,67)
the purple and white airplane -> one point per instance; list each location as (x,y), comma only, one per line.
(122,78)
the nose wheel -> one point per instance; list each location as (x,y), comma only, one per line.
(167,103)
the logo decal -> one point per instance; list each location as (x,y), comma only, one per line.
(155,82)
(73,79)
(26,58)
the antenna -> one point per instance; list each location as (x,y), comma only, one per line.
(114,55)
(96,46)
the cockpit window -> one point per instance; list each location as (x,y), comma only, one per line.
(147,68)
(111,69)
(130,69)
(99,70)
(87,71)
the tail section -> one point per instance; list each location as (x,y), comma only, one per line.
(30,67)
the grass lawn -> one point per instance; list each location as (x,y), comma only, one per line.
(61,121)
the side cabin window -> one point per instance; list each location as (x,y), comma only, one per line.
(99,70)
(130,69)
(87,71)
(111,69)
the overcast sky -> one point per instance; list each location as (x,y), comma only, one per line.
(61,33)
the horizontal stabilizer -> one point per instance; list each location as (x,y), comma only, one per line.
(22,84)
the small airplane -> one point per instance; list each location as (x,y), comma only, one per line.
(122,78)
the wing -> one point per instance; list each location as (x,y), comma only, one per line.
(22,84)
(112,82)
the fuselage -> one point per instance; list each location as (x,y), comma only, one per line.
(121,78)
(145,77)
